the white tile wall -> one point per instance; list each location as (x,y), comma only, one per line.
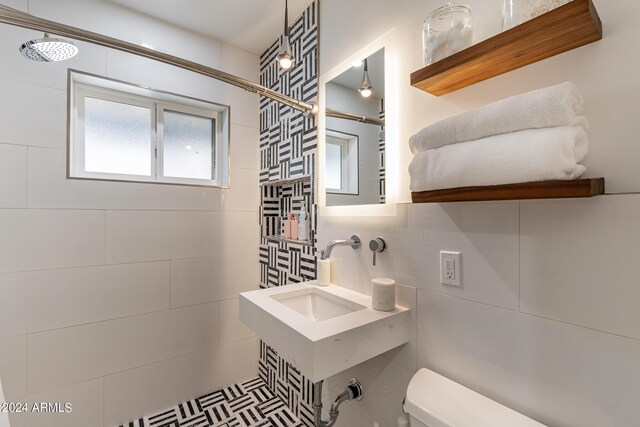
(244,194)
(231,328)
(41,239)
(17,4)
(485,233)
(13,176)
(97,298)
(385,384)
(242,147)
(579,260)
(545,322)
(239,230)
(406,354)
(105,292)
(198,280)
(238,360)
(36,115)
(244,101)
(111,346)
(238,62)
(166,383)
(49,188)
(13,367)
(134,236)
(134,27)
(560,374)
(157,75)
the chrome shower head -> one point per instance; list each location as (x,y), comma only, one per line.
(48,49)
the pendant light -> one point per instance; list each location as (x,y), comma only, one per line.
(366,89)
(285,58)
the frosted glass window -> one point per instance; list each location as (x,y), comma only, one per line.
(121,132)
(334,166)
(188,146)
(117,138)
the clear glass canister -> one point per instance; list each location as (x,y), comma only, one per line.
(515,12)
(447,30)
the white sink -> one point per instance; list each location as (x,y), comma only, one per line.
(322,330)
(316,304)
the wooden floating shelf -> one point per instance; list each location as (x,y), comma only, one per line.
(570,26)
(527,191)
(285,240)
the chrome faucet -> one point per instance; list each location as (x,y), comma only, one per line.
(354,242)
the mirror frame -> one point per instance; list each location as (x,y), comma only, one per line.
(386,42)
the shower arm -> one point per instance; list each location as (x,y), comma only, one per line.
(18,18)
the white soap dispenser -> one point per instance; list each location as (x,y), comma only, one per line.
(303,224)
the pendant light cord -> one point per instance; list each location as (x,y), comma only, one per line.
(286,18)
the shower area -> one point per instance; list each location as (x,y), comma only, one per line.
(119,296)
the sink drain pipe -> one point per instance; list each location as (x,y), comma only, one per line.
(353,391)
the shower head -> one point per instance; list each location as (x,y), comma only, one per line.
(48,49)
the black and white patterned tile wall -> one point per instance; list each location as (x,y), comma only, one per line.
(286,382)
(288,151)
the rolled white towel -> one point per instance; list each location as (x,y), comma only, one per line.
(526,156)
(559,105)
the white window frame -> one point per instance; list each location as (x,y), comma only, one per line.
(350,168)
(83,85)
(175,108)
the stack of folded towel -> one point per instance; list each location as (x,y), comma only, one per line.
(536,136)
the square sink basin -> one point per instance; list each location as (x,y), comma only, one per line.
(317,305)
(323,330)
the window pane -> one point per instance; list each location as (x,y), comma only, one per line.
(117,138)
(334,166)
(188,146)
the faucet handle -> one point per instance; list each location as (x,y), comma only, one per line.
(356,241)
(377,246)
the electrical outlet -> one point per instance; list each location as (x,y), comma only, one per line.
(450,268)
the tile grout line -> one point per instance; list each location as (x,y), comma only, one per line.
(105,236)
(28,180)
(104,400)
(520,256)
(115,318)
(78,267)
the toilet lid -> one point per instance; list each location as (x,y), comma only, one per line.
(439,402)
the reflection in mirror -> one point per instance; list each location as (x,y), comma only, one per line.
(342,162)
(354,142)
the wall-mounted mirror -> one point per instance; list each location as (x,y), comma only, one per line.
(354,172)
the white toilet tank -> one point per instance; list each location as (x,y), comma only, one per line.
(435,401)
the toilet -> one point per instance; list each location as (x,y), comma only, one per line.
(435,401)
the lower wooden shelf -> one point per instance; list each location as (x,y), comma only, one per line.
(532,190)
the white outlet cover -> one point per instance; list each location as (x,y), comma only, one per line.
(450,268)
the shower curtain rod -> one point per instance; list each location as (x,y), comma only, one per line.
(21,19)
(356,118)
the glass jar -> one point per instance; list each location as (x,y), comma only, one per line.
(515,12)
(447,30)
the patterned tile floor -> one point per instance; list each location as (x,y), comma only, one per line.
(249,404)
